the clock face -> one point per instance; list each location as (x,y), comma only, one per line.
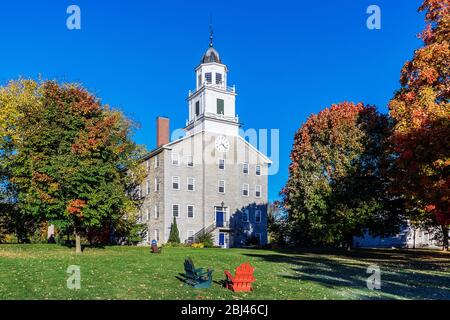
(222,144)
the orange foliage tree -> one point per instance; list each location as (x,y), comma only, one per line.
(421,114)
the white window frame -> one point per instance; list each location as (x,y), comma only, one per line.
(223,164)
(260,216)
(256,170)
(245,164)
(224,186)
(248,189)
(216,77)
(156,234)
(260,190)
(206,77)
(147,187)
(193,184)
(247,212)
(156,161)
(147,163)
(173,205)
(156,184)
(156,215)
(139,192)
(179,182)
(175,157)
(191,158)
(193,211)
(193,234)
(147,217)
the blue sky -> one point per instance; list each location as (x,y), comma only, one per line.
(288,59)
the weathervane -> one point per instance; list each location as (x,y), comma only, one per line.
(211,32)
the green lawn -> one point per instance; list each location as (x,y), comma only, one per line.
(39,272)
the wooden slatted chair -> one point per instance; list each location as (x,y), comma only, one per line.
(197,277)
(242,280)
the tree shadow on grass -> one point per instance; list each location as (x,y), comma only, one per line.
(404,274)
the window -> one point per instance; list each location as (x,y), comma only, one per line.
(175,159)
(147,217)
(156,211)
(190,161)
(139,194)
(175,210)
(258,216)
(147,163)
(258,236)
(218,78)
(208,77)
(190,236)
(220,106)
(258,170)
(221,186)
(222,164)
(258,191)
(245,215)
(245,188)
(156,161)
(156,184)
(190,211)
(245,168)
(176,183)
(197,108)
(156,234)
(148,187)
(190,184)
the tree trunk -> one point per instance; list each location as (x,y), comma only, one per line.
(77,243)
(445,238)
(414,239)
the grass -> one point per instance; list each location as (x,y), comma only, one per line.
(39,272)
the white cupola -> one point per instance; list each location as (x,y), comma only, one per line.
(212,104)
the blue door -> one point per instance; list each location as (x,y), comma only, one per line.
(219,218)
(221,239)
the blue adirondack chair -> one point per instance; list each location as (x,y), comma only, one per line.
(197,277)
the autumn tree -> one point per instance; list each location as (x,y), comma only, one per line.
(17,99)
(336,187)
(72,158)
(421,113)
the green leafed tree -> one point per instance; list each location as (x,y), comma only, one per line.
(72,158)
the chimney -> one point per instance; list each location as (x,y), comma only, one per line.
(162,131)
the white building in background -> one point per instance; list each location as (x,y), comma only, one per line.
(408,237)
(212,180)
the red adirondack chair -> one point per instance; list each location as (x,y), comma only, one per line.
(242,280)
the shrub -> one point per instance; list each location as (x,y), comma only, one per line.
(174,236)
(252,241)
(206,239)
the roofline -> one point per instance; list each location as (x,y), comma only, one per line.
(152,153)
(256,150)
(216,63)
(265,158)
